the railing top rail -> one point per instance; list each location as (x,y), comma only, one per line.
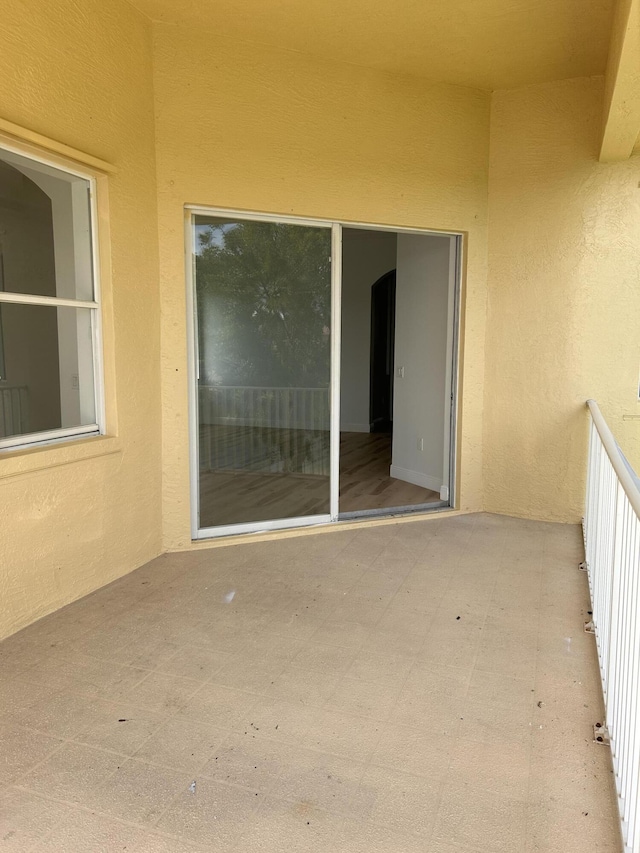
(258,388)
(618,461)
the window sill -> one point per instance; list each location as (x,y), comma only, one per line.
(14,463)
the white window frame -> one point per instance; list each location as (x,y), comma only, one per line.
(65,434)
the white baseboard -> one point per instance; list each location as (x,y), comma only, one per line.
(416,477)
(355,428)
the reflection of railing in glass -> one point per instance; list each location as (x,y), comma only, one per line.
(264,429)
(14,411)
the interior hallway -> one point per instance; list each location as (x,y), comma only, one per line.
(413,686)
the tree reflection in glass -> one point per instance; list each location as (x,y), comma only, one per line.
(264,319)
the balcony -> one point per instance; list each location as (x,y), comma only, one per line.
(412,686)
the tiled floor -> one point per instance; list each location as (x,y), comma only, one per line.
(423,686)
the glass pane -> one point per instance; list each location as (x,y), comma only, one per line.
(264,346)
(48,369)
(45,230)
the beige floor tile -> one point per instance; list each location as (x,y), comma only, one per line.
(120,727)
(585,785)
(297,827)
(22,749)
(495,723)
(164,693)
(400,801)
(152,842)
(249,760)
(551,827)
(326,781)
(252,675)
(502,768)
(65,715)
(324,658)
(182,744)
(434,694)
(26,690)
(139,792)
(415,750)
(84,832)
(213,814)
(26,818)
(72,773)
(372,699)
(404,643)
(507,658)
(343,735)
(373,666)
(348,708)
(364,837)
(474,816)
(219,706)
(278,719)
(440,650)
(149,655)
(493,688)
(307,686)
(345,635)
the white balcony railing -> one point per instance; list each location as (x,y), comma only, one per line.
(14,411)
(612,546)
(273,430)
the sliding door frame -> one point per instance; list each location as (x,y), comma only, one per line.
(190,212)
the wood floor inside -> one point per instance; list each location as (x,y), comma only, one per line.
(236,496)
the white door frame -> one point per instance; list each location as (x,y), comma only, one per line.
(334,388)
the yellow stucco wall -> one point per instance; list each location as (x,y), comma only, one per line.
(564,298)
(251,127)
(82,75)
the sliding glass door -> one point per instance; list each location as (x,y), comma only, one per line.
(263,323)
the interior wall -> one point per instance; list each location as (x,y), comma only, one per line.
(422,309)
(29,336)
(564,300)
(67,73)
(366,256)
(255,128)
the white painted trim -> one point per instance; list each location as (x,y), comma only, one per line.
(23,146)
(54,301)
(318,222)
(35,439)
(262,526)
(455,371)
(24,142)
(192,375)
(432,483)
(334,400)
(448,384)
(96,314)
(355,428)
(427,481)
(255,216)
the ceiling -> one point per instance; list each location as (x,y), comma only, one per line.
(490,44)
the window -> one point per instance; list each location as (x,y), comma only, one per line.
(49,314)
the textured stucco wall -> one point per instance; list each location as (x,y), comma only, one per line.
(564,298)
(81,74)
(276,131)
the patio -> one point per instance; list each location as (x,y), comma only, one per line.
(411,686)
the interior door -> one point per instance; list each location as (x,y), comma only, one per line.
(263,352)
(383,309)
